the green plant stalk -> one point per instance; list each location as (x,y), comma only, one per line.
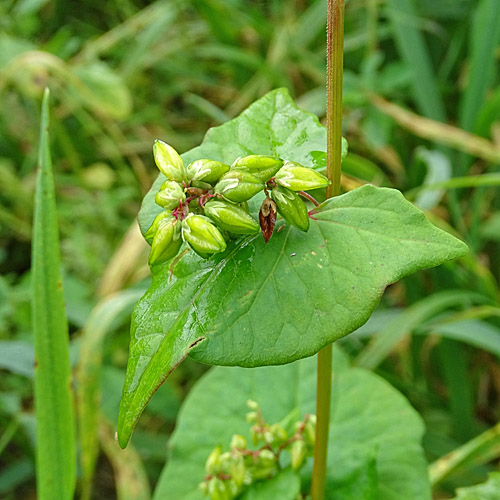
(334,70)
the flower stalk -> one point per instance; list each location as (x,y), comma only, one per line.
(334,71)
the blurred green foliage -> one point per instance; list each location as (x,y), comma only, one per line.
(126,72)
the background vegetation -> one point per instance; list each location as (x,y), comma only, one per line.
(422,111)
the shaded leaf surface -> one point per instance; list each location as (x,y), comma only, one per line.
(370,420)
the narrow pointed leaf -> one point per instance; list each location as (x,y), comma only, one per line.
(55,451)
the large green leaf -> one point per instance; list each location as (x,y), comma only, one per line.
(369,419)
(240,308)
(55,426)
(490,490)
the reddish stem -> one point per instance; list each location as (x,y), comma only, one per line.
(312,199)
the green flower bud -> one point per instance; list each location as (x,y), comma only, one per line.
(252,417)
(231,217)
(263,167)
(205,186)
(291,207)
(209,171)
(238,470)
(217,490)
(298,178)
(268,437)
(310,430)
(203,486)
(150,233)
(298,453)
(256,435)
(213,463)
(239,442)
(169,162)
(266,465)
(267,458)
(232,488)
(203,237)
(253,405)
(166,242)
(238,186)
(170,195)
(279,433)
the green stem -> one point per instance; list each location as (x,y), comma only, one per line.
(323,397)
(335,53)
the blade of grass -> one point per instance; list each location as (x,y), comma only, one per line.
(480,450)
(55,452)
(439,132)
(454,365)
(382,344)
(425,87)
(414,52)
(484,41)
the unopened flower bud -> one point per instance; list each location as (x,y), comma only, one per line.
(267,457)
(263,167)
(150,233)
(268,437)
(169,162)
(238,186)
(298,453)
(238,470)
(256,435)
(231,217)
(203,486)
(310,430)
(279,433)
(213,464)
(267,218)
(253,405)
(217,490)
(239,442)
(209,171)
(266,465)
(298,178)
(203,237)
(170,195)
(166,242)
(252,417)
(291,207)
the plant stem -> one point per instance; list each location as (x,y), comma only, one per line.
(334,67)
(335,52)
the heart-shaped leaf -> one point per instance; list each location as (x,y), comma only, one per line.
(369,421)
(260,304)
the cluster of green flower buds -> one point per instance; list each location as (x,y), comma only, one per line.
(205,203)
(229,473)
